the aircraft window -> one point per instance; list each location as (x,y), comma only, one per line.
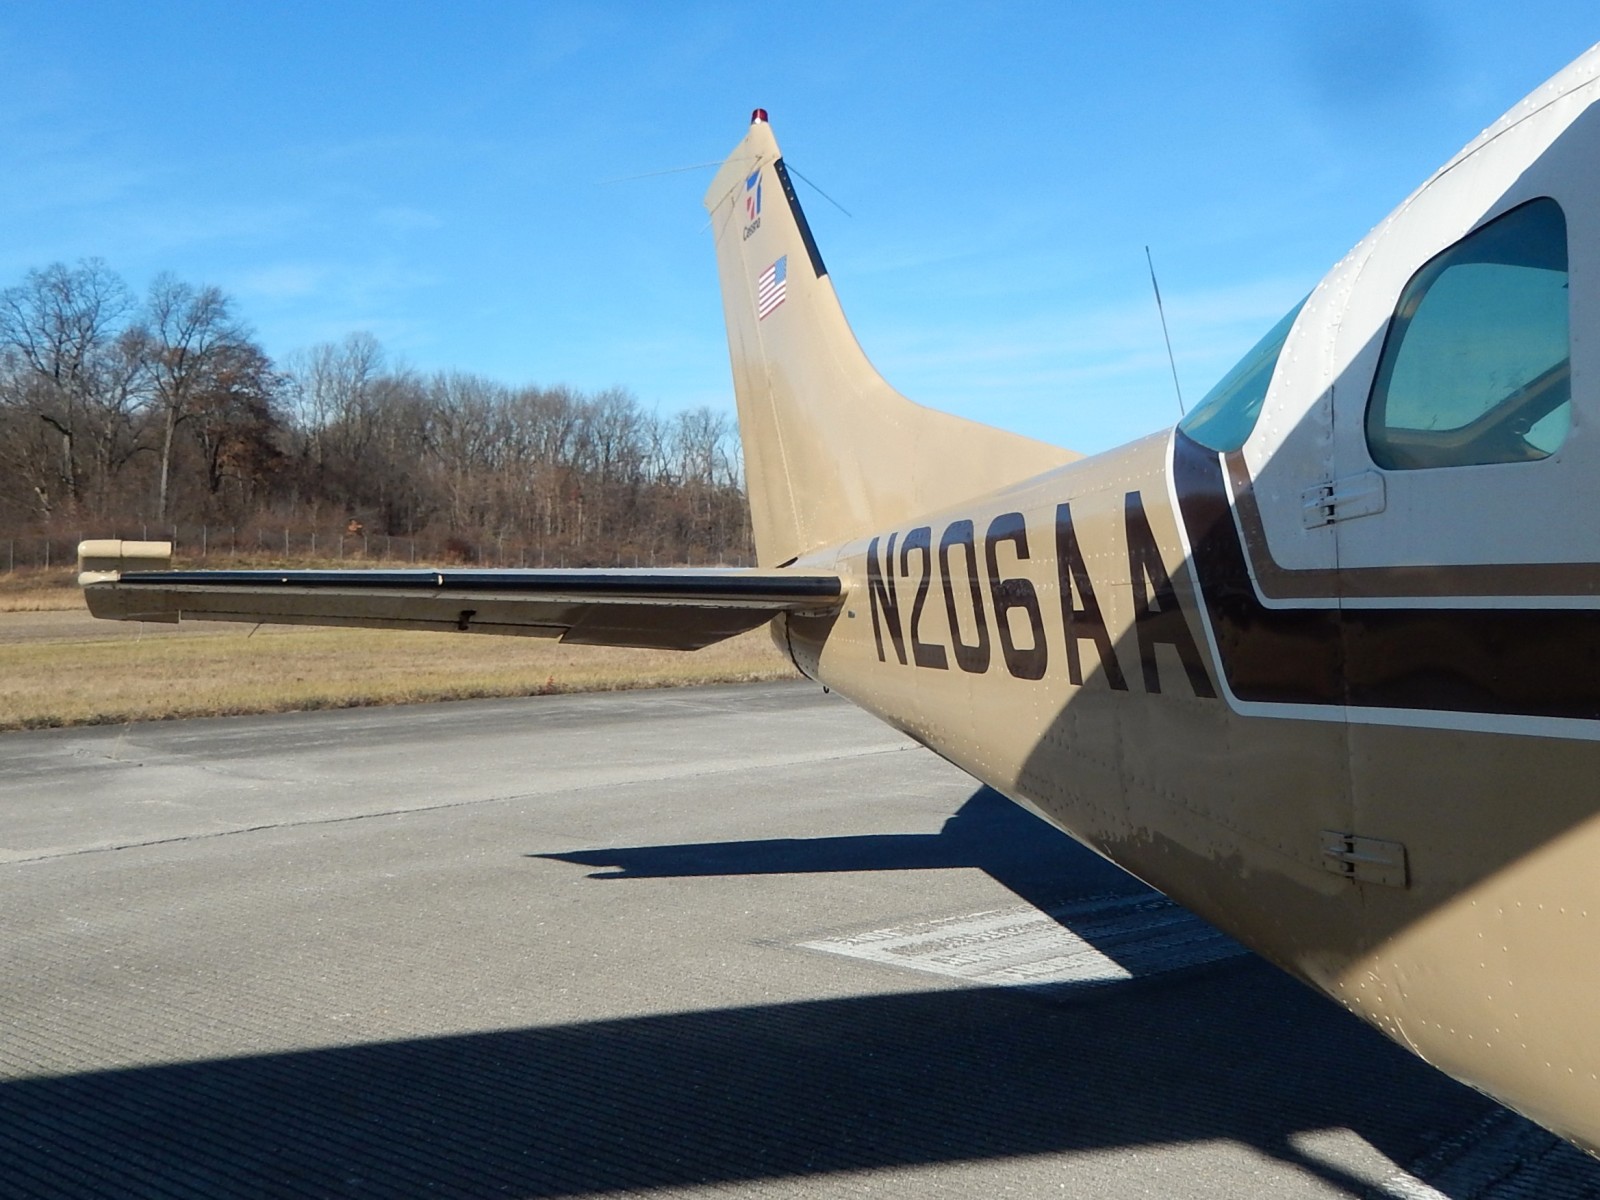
(1225,416)
(1476,365)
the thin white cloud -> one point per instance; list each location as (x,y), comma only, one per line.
(1125,331)
(183,224)
(402,219)
(284,281)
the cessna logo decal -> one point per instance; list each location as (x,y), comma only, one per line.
(752,204)
(974,584)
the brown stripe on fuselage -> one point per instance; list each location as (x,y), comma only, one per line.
(1463,579)
(1514,662)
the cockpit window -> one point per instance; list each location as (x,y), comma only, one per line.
(1476,365)
(1227,414)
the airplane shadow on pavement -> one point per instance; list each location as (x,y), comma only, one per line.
(1036,861)
(799,1091)
(794,1090)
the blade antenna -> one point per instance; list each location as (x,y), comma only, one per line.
(1165,336)
(794,170)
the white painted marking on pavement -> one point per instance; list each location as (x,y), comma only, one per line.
(1104,939)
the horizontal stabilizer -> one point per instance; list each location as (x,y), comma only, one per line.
(680,609)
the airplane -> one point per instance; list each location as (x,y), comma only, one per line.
(1321,662)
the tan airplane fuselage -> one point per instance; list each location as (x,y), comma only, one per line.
(1049,639)
(1323,663)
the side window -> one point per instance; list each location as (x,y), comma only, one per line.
(1476,367)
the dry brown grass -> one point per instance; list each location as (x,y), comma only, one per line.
(60,668)
(39,591)
(39,600)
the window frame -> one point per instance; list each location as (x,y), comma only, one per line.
(1513,416)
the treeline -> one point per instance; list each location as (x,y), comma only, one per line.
(124,415)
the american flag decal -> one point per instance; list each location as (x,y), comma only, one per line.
(771,287)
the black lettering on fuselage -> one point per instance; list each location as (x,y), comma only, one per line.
(970,656)
(881,594)
(1157,619)
(1085,623)
(1025,662)
(924,654)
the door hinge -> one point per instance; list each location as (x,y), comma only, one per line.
(1340,499)
(1364,859)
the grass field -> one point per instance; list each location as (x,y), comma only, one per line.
(39,591)
(59,666)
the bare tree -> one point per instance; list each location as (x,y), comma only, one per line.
(334,385)
(234,419)
(468,419)
(172,413)
(58,334)
(185,334)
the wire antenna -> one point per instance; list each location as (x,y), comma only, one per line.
(654,174)
(794,170)
(1165,336)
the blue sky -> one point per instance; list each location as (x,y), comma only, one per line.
(444,177)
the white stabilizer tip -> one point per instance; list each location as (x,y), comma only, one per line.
(103,560)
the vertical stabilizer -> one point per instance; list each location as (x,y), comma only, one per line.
(831,450)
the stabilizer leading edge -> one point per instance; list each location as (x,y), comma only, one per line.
(831,450)
(660,609)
